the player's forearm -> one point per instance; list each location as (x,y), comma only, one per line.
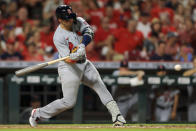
(189,72)
(127,72)
(175,103)
(86,40)
(87,36)
(140,74)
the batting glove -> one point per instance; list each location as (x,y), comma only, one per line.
(79,54)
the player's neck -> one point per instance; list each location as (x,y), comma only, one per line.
(66,28)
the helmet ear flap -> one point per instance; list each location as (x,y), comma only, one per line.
(74,18)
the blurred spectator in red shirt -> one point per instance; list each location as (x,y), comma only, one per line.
(46,35)
(95,13)
(167,26)
(135,35)
(20,32)
(161,10)
(11,53)
(33,54)
(67,2)
(114,16)
(128,39)
(102,40)
(124,11)
(22,17)
(186,31)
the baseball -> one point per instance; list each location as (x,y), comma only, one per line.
(177,67)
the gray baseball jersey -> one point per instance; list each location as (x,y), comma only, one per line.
(164,106)
(65,40)
(71,75)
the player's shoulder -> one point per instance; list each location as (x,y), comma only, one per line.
(59,34)
(81,20)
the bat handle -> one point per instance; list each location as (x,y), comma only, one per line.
(57,60)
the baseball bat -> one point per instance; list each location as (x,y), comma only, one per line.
(38,66)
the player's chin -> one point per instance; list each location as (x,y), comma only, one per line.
(71,21)
(67,22)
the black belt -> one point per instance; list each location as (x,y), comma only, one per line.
(163,108)
(81,61)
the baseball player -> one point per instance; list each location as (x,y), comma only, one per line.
(125,96)
(166,105)
(75,70)
(191,90)
(166,99)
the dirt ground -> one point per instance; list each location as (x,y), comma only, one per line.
(67,126)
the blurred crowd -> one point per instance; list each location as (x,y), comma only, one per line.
(140,30)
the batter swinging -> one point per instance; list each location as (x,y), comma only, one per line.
(76,70)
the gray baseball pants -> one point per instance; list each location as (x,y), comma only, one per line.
(71,76)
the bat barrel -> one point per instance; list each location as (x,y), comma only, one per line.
(38,66)
(30,69)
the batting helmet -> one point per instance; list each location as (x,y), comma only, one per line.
(65,12)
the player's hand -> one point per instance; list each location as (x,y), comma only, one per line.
(173,115)
(68,60)
(79,54)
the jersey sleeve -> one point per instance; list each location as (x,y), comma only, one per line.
(82,24)
(86,30)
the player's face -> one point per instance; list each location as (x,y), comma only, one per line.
(66,23)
